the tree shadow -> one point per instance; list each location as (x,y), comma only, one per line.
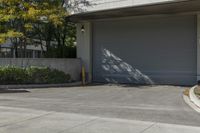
(78,6)
(115,70)
(13,91)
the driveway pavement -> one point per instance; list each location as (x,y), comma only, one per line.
(98,109)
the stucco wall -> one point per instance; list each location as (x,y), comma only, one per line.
(84,39)
(69,66)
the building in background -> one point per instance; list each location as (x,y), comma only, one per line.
(32,50)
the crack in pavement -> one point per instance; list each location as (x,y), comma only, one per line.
(33,118)
(148,128)
(78,125)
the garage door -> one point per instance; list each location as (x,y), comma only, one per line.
(145,50)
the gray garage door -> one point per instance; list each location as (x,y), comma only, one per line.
(145,50)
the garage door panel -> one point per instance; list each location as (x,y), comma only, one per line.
(148,50)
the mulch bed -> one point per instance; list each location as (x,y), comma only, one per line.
(197,91)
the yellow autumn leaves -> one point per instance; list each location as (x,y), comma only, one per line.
(16,15)
(9,34)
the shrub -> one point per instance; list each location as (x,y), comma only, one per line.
(41,75)
(32,75)
(12,75)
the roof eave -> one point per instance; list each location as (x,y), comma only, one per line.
(150,9)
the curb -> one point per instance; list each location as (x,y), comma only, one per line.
(191,104)
(193,97)
(40,86)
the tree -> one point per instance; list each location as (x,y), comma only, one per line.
(18,18)
(64,35)
(45,20)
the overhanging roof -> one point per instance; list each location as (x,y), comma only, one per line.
(150,9)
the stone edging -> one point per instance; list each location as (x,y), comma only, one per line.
(191,104)
(193,97)
(39,85)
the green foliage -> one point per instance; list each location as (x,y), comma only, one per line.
(32,75)
(64,36)
(23,21)
(20,16)
(61,52)
(12,75)
(41,75)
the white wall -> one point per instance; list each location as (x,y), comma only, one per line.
(109,4)
(84,47)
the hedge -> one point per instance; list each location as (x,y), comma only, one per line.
(32,75)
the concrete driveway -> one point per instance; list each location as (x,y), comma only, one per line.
(98,109)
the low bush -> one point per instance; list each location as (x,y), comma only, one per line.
(32,75)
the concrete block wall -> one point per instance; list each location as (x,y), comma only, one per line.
(69,66)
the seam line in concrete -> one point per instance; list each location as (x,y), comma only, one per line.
(78,125)
(148,127)
(33,118)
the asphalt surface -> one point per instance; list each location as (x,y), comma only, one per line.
(140,108)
